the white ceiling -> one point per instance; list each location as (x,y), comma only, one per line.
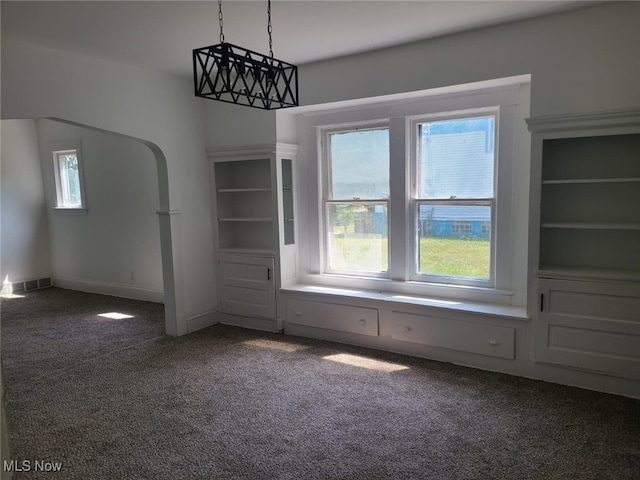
(160,35)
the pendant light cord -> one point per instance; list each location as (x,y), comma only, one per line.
(220,20)
(269,29)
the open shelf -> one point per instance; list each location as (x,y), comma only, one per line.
(594,226)
(581,273)
(245,219)
(242,190)
(571,181)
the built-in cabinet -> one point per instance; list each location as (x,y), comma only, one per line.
(585,252)
(254,226)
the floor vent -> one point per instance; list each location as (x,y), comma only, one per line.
(17,287)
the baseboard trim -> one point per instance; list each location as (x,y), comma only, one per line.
(254,323)
(109,288)
(201,320)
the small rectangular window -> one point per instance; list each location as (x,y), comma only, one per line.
(69,193)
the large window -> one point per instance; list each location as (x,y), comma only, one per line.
(356,200)
(67,170)
(449,194)
(419,196)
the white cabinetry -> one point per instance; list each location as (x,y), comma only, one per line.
(254,226)
(585,242)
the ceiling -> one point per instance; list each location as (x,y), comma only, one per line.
(160,35)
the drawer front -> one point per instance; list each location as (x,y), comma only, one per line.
(454,334)
(344,318)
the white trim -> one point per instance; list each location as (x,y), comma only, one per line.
(109,288)
(510,225)
(493,310)
(254,323)
(616,118)
(70,210)
(168,212)
(201,320)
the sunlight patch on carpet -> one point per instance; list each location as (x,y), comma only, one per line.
(273,345)
(115,315)
(364,362)
(11,295)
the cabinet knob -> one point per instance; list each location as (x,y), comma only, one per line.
(362,321)
(407,328)
(493,342)
(299,314)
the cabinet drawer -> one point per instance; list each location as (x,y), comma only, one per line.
(343,318)
(453,334)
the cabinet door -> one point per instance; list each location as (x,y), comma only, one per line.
(590,325)
(247,285)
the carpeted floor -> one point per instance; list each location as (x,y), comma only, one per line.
(117,399)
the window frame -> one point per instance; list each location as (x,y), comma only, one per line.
(66,148)
(512,96)
(413,268)
(324,134)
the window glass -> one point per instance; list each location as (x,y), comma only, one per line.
(454,240)
(456,158)
(357,237)
(68,176)
(359,165)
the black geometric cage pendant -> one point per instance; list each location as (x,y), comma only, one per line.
(233,74)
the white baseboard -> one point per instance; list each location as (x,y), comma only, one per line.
(254,323)
(201,320)
(109,288)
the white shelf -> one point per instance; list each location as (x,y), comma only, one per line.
(248,251)
(593,226)
(590,181)
(244,219)
(561,271)
(242,190)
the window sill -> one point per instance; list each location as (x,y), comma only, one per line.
(70,211)
(470,306)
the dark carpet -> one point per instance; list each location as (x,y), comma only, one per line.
(117,399)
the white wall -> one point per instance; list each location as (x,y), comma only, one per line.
(24,248)
(113,248)
(38,82)
(581,61)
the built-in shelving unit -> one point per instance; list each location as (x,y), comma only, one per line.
(585,241)
(589,203)
(244,198)
(253,229)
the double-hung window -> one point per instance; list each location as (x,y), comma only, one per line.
(356,200)
(454,198)
(421,198)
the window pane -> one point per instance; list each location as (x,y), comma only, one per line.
(359,165)
(69,180)
(357,237)
(454,240)
(456,158)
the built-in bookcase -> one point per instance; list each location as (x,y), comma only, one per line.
(590,205)
(585,241)
(245,210)
(254,234)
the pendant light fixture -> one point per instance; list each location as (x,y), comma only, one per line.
(233,74)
